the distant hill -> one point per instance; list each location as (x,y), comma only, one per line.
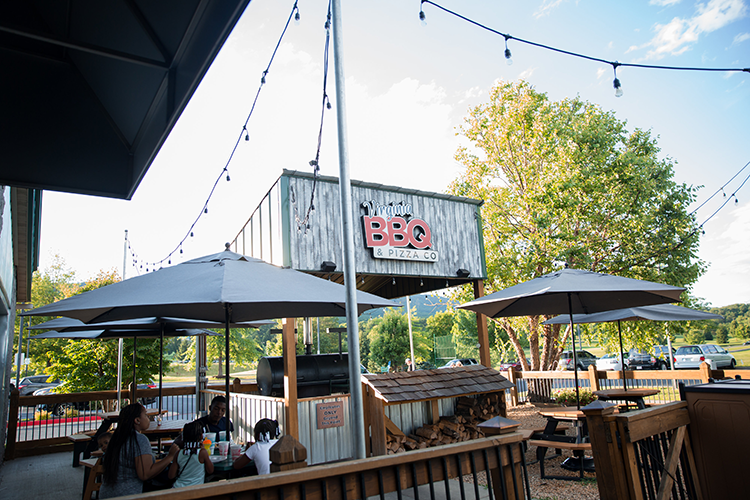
(426,305)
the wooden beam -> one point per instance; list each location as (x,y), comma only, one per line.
(673,460)
(483,337)
(289,348)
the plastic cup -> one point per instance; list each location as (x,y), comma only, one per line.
(221,436)
(210,435)
(236,451)
(223,448)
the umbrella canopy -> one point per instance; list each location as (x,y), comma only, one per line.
(226,287)
(661,312)
(588,292)
(573,291)
(117,334)
(207,288)
(76,325)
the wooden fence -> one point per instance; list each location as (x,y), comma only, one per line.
(644,454)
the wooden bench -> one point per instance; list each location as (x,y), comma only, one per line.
(80,442)
(543,444)
(92,480)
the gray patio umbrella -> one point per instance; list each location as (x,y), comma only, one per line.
(130,328)
(225,287)
(660,312)
(573,291)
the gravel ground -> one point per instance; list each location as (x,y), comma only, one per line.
(548,489)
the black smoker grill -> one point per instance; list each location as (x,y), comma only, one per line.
(317,375)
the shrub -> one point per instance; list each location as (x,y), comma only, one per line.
(42,415)
(567,397)
(70,412)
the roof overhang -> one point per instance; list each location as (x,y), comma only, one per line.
(90,89)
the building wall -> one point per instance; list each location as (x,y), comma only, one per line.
(7,309)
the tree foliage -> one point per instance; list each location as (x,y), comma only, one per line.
(565,182)
(389,341)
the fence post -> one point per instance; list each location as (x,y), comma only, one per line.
(236,385)
(610,477)
(705,372)
(593,378)
(514,389)
(10,448)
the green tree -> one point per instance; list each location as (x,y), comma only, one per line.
(721,336)
(389,341)
(695,336)
(243,349)
(565,182)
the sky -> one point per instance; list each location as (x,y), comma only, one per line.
(408,87)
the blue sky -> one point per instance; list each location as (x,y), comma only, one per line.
(408,87)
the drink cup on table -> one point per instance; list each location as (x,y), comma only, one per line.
(223,448)
(236,451)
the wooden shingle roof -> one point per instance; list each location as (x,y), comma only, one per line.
(421,385)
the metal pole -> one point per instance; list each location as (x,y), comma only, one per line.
(350,275)
(19,353)
(575,355)
(411,336)
(26,374)
(318,335)
(227,314)
(121,342)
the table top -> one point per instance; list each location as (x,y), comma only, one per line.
(114,415)
(564,413)
(623,394)
(166,427)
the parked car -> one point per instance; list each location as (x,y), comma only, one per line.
(691,356)
(612,362)
(657,360)
(585,359)
(460,362)
(58,408)
(149,400)
(516,365)
(27,385)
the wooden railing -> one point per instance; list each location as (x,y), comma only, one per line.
(539,386)
(644,454)
(28,435)
(499,457)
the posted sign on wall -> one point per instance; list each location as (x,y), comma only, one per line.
(391,236)
(330,414)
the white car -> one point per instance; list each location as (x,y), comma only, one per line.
(691,356)
(455,363)
(611,362)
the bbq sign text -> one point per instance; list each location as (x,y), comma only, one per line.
(392,236)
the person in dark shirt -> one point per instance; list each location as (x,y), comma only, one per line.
(215,420)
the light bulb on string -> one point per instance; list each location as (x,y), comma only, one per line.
(205,210)
(422,17)
(263,80)
(508,55)
(191,234)
(296,17)
(247,134)
(228,178)
(394,281)
(616,83)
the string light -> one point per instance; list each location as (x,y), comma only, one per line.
(616,81)
(294,14)
(618,87)
(508,55)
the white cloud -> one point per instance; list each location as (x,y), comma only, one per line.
(546,7)
(526,74)
(601,72)
(741,38)
(632,48)
(664,3)
(679,34)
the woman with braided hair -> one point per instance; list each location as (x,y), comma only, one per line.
(266,435)
(192,463)
(129,460)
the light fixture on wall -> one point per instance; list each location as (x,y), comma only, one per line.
(463,273)
(327,266)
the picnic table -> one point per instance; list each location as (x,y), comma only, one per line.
(631,395)
(224,469)
(548,438)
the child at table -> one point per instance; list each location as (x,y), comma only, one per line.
(103,441)
(266,435)
(192,463)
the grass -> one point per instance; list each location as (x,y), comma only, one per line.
(182,372)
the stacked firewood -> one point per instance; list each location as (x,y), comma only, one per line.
(463,426)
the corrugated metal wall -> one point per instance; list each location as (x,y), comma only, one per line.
(411,416)
(325,445)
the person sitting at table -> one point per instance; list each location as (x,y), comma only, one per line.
(129,460)
(215,421)
(266,435)
(192,463)
(103,441)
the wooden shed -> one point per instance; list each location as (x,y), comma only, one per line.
(400,402)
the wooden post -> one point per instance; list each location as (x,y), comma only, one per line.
(435,409)
(289,348)
(514,390)
(593,378)
(236,385)
(10,447)
(483,337)
(610,476)
(705,372)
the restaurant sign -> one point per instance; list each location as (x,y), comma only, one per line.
(394,233)
(330,414)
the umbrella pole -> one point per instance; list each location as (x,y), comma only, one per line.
(622,356)
(134,387)
(575,355)
(226,355)
(161,363)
